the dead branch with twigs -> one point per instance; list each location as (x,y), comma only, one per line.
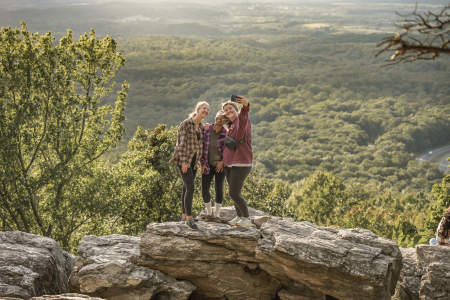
(424,36)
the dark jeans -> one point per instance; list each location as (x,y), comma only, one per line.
(235,179)
(218,184)
(187,193)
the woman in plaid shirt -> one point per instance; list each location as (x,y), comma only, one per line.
(186,156)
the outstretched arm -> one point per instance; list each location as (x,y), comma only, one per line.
(243,117)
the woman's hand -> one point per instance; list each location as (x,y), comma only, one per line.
(242,100)
(206,126)
(219,166)
(184,168)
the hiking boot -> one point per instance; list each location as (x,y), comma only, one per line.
(234,220)
(191,223)
(244,222)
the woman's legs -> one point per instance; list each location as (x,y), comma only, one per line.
(183,193)
(187,193)
(228,176)
(188,190)
(219,179)
(235,178)
(206,184)
(218,185)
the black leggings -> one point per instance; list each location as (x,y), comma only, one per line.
(187,193)
(218,184)
(235,178)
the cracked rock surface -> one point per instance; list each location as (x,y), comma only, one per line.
(434,265)
(425,274)
(106,269)
(276,259)
(32,265)
(285,258)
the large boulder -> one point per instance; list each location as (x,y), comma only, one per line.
(343,263)
(410,276)
(105,269)
(32,265)
(218,259)
(434,264)
(297,260)
(68,296)
(425,274)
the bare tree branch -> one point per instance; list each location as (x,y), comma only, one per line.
(423,36)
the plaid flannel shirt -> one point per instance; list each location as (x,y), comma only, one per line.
(441,236)
(187,143)
(207,138)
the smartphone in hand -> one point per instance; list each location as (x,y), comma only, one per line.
(234,98)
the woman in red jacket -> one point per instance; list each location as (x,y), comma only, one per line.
(238,156)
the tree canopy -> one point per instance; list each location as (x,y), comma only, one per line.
(54,127)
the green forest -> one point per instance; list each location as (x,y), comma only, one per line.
(88,125)
(321,104)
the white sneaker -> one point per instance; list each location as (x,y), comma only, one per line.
(217,210)
(244,222)
(208,208)
(234,220)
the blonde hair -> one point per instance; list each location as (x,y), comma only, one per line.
(197,106)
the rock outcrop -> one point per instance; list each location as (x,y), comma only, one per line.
(68,296)
(434,264)
(297,260)
(410,276)
(277,259)
(32,265)
(105,269)
(425,274)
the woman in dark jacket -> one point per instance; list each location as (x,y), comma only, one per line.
(187,156)
(212,164)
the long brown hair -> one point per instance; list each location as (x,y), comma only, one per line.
(228,123)
(230,103)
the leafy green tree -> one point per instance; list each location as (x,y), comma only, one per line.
(268,195)
(382,220)
(317,197)
(440,202)
(146,186)
(54,127)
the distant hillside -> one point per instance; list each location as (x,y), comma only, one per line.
(320,100)
(204,18)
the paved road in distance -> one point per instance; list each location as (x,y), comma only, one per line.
(439,156)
